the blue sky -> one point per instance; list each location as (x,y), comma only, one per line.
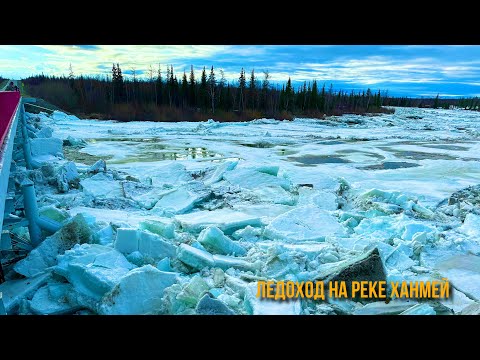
(451,71)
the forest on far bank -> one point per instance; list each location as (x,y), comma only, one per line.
(162,96)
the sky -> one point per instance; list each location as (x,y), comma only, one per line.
(402,70)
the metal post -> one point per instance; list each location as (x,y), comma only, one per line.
(26,143)
(31,211)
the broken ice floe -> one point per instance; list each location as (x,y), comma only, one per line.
(195,237)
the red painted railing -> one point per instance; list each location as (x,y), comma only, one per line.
(9,101)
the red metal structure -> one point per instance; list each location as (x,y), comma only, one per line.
(9,101)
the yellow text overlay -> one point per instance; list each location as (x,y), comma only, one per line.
(318,290)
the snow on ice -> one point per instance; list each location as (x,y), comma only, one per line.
(186,218)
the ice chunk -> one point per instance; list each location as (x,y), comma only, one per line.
(269,169)
(225,262)
(214,239)
(365,267)
(173,173)
(413,228)
(307,223)
(219,171)
(192,292)
(473,309)
(160,227)
(153,245)
(62,183)
(251,179)
(471,226)
(99,166)
(193,257)
(61,116)
(249,234)
(71,141)
(380,227)
(420,237)
(398,258)
(136,258)
(71,171)
(457,301)
(13,291)
(127,240)
(75,231)
(216,292)
(46,146)
(210,306)
(139,292)
(394,307)
(52,212)
(142,193)
(325,200)
(225,219)
(419,309)
(178,201)
(130,240)
(67,177)
(263,306)
(462,271)
(405,202)
(164,265)
(104,236)
(102,185)
(231,301)
(274,194)
(197,245)
(218,277)
(44,132)
(52,300)
(93,270)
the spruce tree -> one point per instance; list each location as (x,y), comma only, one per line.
(314,97)
(241,90)
(184,94)
(252,91)
(114,82)
(120,88)
(211,88)
(203,90)
(265,88)
(288,94)
(159,84)
(191,87)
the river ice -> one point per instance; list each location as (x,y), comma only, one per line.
(214,207)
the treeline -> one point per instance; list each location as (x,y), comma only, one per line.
(472,103)
(162,96)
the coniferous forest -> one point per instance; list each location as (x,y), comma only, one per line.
(163,96)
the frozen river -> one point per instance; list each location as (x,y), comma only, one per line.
(423,152)
(224,205)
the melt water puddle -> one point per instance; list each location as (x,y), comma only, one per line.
(178,154)
(390,165)
(318,159)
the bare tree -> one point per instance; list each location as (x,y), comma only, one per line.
(150,73)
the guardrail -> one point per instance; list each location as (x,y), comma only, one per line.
(10,109)
(9,102)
